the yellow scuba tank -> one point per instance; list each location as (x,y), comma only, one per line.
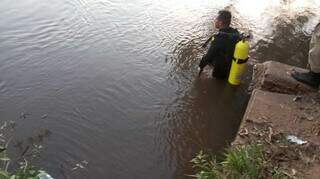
(240,57)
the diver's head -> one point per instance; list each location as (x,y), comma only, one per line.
(223,20)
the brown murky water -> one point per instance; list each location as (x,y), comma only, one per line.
(115,82)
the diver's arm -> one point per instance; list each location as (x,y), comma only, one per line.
(212,52)
(206,43)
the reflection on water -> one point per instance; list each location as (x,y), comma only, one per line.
(117,80)
(282,29)
(293,49)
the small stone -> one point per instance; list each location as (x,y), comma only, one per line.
(44,116)
(297,98)
(310,118)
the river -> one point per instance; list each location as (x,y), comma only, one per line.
(114,83)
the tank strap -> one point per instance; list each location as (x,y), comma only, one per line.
(240,61)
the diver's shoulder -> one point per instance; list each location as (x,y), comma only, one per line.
(234,30)
(227,32)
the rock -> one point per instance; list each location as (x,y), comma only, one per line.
(297,98)
(276,77)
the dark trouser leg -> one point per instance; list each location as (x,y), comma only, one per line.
(309,78)
(312,78)
(219,74)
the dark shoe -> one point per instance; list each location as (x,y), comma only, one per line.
(309,78)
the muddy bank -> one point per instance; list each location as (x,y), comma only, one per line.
(284,116)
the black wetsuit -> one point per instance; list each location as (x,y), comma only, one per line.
(220,53)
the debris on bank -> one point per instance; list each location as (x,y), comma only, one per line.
(283,116)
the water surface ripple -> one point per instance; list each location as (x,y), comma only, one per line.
(115,82)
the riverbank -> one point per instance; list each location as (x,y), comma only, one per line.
(279,136)
(283,116)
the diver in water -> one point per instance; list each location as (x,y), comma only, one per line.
(222,46)
(312,78)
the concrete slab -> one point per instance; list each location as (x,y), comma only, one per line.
(287,114)
(276,77)
(314,172)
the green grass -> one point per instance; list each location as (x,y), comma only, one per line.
(244,162)
(239,163)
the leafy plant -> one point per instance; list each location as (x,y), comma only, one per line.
(25,169)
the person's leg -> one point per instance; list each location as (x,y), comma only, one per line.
(312,78)
(219,72)
(314,53)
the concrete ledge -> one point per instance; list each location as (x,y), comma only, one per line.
(276,77)
(270,115)
(283,113)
